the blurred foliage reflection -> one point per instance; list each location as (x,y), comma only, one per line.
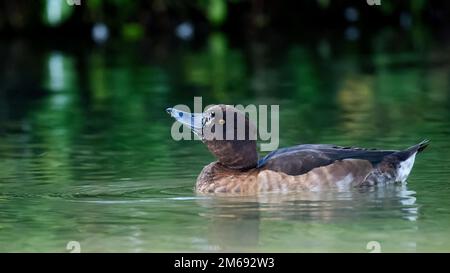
(85,146)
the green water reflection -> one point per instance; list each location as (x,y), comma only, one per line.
(86,152)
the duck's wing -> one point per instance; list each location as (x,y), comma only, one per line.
(303,158)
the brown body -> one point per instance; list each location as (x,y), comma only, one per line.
(341,175)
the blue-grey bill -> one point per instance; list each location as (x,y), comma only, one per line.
(192,120)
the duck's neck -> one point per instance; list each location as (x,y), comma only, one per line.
(234,154)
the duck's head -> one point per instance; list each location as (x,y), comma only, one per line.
(227,132)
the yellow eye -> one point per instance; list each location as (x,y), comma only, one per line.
(221,122)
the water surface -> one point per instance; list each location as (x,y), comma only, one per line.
(86,153)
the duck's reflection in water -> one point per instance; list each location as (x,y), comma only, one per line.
(235,221)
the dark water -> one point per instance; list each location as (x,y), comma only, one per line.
(86,153)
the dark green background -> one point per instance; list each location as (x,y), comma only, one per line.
(85,146)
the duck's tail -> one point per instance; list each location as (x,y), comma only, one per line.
(397,166)
(421,146)
(405,154)
(406,159)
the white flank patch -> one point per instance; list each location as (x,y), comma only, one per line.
(345,182)
(405,168)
